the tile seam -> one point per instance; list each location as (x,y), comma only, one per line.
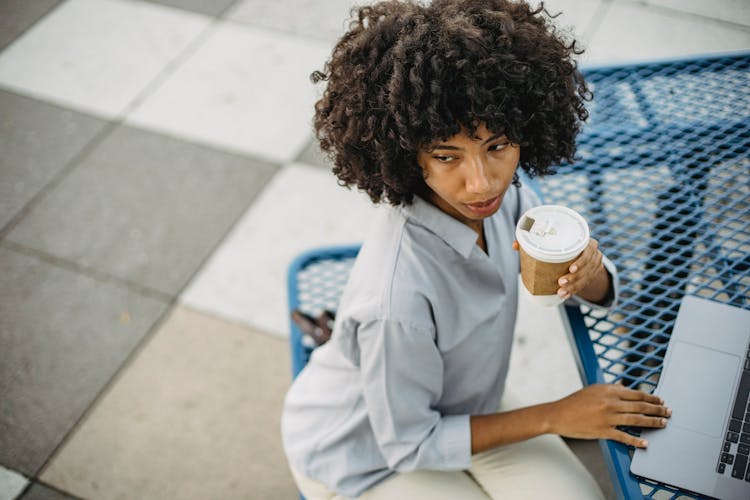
(230,230)
(596,22)
(168,69)
(32,25)
(231,321)
(58,178)
(271,30)
(89,272)
(106,388)
(37,481)
(687,14)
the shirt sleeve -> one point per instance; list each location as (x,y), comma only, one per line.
(402,372)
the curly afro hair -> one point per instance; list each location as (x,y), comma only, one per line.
(407,75)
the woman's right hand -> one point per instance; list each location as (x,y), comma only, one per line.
(595,411)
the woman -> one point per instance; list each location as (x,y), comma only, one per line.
(431,109)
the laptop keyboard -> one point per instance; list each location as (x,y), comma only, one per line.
(733,459)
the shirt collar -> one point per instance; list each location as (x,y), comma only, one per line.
(456,234)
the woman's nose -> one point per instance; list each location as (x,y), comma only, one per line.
(477,178)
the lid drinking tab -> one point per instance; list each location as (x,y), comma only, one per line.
(552,233)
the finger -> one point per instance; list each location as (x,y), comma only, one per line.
(571,284)
(646,409)
(624,437)
(635,395)
(515,245)
(589,254)
(634,420)
(582,272)
(577,281)
(589,263)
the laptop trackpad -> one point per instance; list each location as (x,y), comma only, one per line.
(697,385)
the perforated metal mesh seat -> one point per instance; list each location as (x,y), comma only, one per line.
(663,177)
(316,280)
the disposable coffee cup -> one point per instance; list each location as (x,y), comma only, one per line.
(550,238)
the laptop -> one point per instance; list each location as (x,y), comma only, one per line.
(705,379)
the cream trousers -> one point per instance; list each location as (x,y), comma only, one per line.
(539,468)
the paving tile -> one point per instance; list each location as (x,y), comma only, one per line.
(11,484)
(312,155)
(325,21)
(245,279)
(37,141)
(244,89)
(97,55)
(659,35)
(16,16)
(209,8)
(144,207)
(734,11)
(39,491)
(196,415)
(541,348)
(63,335)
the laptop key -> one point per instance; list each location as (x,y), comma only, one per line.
(743,448)
(721,468)
(743,391)
(744,438)
(735,425)
(733,437)
(727,458)
(740,464)
(726,447)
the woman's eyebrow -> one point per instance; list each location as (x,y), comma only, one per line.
(496,136)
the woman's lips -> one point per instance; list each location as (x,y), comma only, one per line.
(486,207)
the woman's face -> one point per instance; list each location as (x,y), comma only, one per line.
(468,176)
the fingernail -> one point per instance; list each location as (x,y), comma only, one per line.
(644,443)
(663,422)
(573,268)
(562,281)
(561,293)
(669,412)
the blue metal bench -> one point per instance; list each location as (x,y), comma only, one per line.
(664,181)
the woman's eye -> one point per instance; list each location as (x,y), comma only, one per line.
(444,159)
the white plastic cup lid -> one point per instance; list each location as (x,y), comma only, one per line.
(552,233)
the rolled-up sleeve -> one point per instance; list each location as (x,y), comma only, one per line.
(402,373)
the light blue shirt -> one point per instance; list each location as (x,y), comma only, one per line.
(422,341)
